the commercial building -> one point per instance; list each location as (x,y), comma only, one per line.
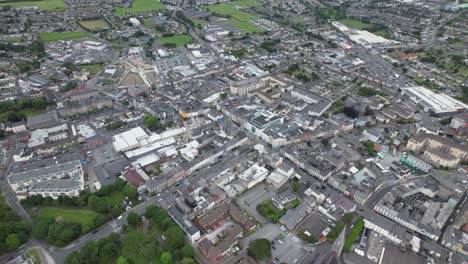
(437,104)
(53,181)
(252,176)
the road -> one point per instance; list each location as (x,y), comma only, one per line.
(381,192)
(8,193)
(433,38)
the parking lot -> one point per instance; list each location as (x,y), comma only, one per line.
(249,201)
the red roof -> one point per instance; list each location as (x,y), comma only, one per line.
(133,177)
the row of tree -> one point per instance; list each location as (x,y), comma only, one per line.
(159,239)
(13,231)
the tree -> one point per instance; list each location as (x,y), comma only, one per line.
(174,237)
(259,249)
(187,261)
(41,228)
(166,258)
(130,191)
(122,260)
(133,219)
(187,251)
(12,241)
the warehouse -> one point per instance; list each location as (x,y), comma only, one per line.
(437,104)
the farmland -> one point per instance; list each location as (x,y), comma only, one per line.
(139,6)
(94,24)
(55,36)
(178,40)
(237,18)
(43,4)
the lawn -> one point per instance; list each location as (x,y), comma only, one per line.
(55,36)
(43,4)
(94,24)
(83,217)
(116,198)
(269,211)
(31,112)
(92,68)
(34,255)
(139,6)
(238,18)
(356,24)
(179,40)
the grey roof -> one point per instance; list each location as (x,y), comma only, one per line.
(41,172)
(57,185)
(188,226)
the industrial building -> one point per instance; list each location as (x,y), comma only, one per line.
(437,104)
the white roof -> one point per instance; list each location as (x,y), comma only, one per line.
(151,147)
(147,160)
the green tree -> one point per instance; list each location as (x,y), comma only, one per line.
(166,258)
(133,219)
(259,249)
(12,241)
(122,260)
(41,228)
(174,237)
(187,251)
(130,191)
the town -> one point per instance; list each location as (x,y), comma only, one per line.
(243,131)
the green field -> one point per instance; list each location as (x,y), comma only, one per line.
(376,29)
(139,6)
(83,217)
(55,36)
(95,24)
(116,198)
(31,112)
(357,24)
(34,255)
(239,19)
(43,4)
(92,68)
(179,40)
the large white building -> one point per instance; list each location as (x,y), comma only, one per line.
(59,179)
(438,104)
(253,175)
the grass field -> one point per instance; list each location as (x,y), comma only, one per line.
(139,6)
(95,24)
(92,68)
(30,112)
(179,40)
(116,198)
(43,4)
(83,217)
(55,36)
(34,255)
(357,24)
(238,18)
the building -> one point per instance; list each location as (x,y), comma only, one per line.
(252,176)
(319,104)
(53,181)
(191,230)
(437,104)
(440,151)
(42,121)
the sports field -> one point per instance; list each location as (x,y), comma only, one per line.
(238,18)
(43,4)
(83,217)
(55,36)
(179,40)
(95,24)
(139,6)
